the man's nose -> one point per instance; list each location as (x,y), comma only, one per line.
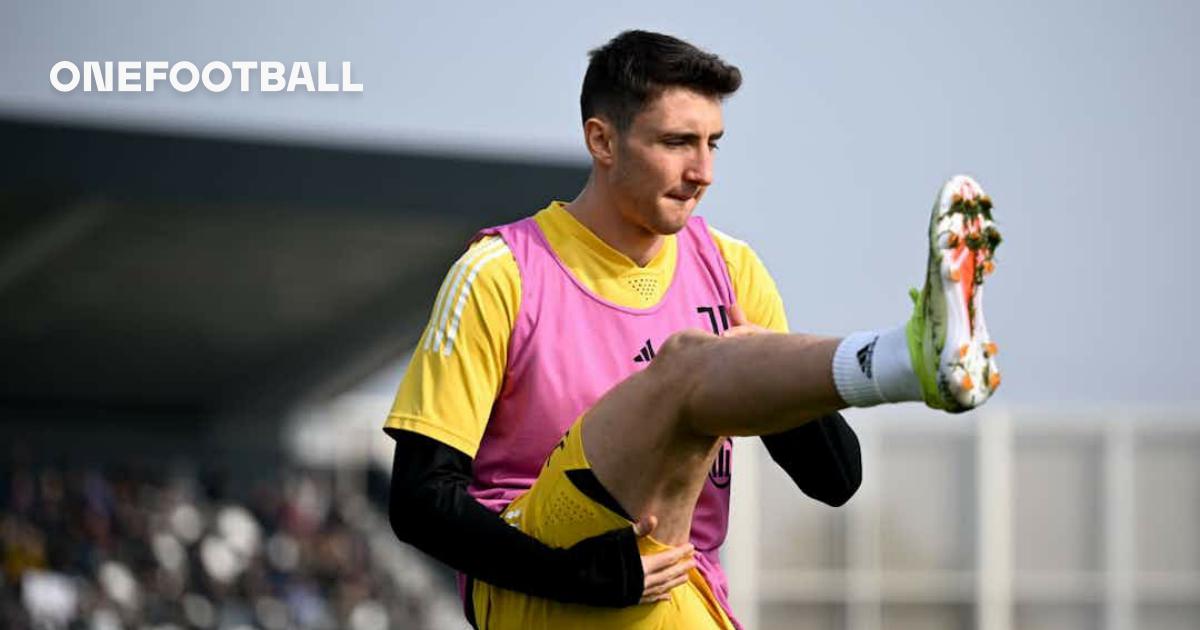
(700,169)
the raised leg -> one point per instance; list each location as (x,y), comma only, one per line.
(650,440)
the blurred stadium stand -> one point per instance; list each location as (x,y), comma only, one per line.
(169,305)
(146,548)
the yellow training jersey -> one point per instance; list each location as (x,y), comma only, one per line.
(458,365)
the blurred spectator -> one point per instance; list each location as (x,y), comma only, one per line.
(124,548)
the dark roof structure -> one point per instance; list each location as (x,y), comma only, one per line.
(171,281)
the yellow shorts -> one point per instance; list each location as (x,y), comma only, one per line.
(557,513)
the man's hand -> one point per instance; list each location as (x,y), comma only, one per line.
(664,570)
(740,325)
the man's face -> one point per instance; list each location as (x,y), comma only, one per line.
(663,162)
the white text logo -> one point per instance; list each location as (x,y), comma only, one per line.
(185,76)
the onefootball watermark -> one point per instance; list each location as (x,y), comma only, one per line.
(185,76)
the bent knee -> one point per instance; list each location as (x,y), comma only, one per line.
(684,342)
(679,357)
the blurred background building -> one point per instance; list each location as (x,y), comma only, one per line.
(173,309)
(206,300)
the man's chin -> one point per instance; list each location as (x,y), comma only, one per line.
(674,217)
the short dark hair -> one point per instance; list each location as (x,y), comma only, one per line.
(635,67)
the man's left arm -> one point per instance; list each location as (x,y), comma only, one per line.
(823,456)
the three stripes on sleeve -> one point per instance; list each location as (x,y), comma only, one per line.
(456,288)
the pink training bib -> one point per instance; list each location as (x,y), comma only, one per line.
(569,347)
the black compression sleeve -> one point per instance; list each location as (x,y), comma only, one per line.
(821,456)
(431,510)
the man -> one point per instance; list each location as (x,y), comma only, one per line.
(550,309)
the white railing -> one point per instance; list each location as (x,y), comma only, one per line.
(996,519)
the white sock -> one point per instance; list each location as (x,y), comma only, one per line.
(874,367)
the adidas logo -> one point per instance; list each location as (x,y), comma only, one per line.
(864,357)
(645,354)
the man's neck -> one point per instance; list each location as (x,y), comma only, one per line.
(598,213)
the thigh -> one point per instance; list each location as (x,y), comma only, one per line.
(643,449)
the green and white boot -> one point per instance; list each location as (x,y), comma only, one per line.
(948,341)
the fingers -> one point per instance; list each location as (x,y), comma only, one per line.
(663,594)
(657,562)
(740,325)
(737,317)
(666,570)
(741,331)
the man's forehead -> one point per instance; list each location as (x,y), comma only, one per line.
(681,107)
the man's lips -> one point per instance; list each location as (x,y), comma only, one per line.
(679,196)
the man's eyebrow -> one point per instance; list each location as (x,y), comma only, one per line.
(689,135)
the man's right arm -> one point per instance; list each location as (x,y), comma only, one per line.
(431,510)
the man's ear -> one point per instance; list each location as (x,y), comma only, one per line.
(601,138)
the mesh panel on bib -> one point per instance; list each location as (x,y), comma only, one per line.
(645,286)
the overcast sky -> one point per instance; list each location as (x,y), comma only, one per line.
(1079,118)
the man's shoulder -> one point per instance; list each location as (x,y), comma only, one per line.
(486,271)
(724,238)
(752,283)
(489,258)
(478,299)
(735,251)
